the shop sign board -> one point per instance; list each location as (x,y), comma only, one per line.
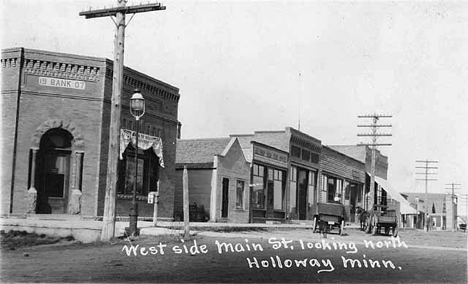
(62,83)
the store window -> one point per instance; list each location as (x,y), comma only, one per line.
(240,194)
(258,198)
(312,182)
(148,165)
(324,183)
(331,186)
(293,176)
(292,187)
(278,190)
(347,190)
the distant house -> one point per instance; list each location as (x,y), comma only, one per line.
(218,180)
(441,209)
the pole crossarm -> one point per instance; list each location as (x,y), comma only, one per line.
(377,125)
(106,12)
(376,144)
(426,173)
(374,135)
(373,128)
(373,116)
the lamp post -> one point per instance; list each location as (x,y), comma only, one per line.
(137,109)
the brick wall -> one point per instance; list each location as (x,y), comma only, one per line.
(84,112)
(161,114)
(11,61)
(40,104)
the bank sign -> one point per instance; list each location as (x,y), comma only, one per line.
(62,83)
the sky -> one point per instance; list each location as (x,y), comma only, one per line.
(245,66)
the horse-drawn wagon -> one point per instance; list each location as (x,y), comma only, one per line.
(329,216)
(382,217)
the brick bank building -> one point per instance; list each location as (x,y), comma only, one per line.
(55,136)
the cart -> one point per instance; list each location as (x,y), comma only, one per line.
(329,216)
(382,217)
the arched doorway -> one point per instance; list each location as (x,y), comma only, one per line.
(53,172)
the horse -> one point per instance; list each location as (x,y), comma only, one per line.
(363,215)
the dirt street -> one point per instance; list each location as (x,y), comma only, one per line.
(272,256)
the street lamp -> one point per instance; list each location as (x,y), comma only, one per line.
(137,109)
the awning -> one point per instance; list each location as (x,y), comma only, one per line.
(405,207)
(144,142)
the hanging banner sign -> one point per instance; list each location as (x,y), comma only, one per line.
(144,142)
(62,83)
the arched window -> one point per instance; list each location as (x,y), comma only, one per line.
(55,139)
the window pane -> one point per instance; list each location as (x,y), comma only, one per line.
(305,155)
(258,198)
(261,171)
(293,173)
(314,158)
(292,194)
(130,175)
(255,170)
(240,194)
(278,195)
(331,190)
(295,151)
(311,194)
(270,174)
(312,178)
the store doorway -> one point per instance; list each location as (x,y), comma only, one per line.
(225,201)
(302,185)
(53,172)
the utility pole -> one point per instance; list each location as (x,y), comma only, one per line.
(454,204)
(117,14)
(374,127)
(464,199)
(427,168)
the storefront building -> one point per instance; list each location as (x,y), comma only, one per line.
(342,180)
(298,176)
(218,180)
(55,136)
(268,176)
(364,154)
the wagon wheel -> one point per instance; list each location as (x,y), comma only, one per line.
(395,229)
(323,228)
(315,224)
(387,230)
(341,228)
(374,225)
(367,225)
